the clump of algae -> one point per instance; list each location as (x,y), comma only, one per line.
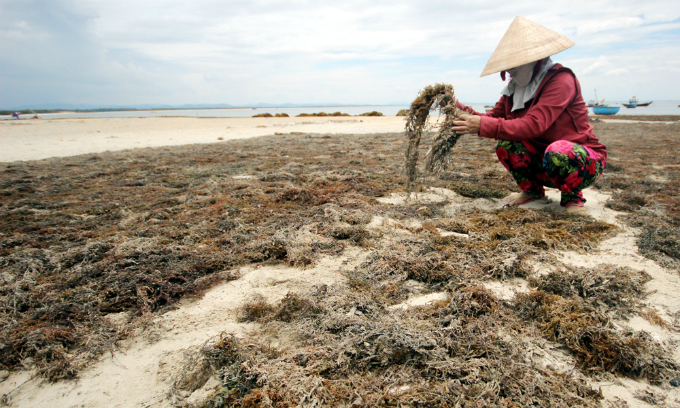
(433,97)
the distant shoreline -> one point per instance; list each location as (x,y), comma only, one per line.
(41,111)
(28,111)
(659,108)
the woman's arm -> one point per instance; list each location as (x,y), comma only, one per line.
(555,97)
(498,110)
(470,124)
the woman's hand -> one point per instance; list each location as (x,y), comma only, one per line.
(468,125)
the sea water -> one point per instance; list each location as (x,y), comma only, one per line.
(387,110)
(656,108)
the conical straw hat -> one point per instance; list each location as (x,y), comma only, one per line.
(525,42)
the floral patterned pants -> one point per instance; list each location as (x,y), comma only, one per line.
(564,165)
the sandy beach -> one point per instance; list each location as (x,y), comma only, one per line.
(164,247)
(35,139)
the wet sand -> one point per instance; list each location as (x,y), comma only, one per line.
(35,139)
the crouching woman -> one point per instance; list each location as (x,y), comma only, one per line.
(541,120)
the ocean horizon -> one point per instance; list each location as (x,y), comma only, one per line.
(656,108)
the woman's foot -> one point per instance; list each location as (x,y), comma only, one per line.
(575,207)
(519,199)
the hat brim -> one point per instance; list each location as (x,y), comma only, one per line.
(525,42)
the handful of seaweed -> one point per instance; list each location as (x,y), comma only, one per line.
(432,97)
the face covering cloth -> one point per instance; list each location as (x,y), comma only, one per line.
(522,87)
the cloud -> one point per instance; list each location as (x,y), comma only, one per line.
(299,51)
(601,64)
(617,71)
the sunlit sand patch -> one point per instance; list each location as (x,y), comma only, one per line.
(624,392)
(659,334)
(542,267)
(551,356)
(436,195)
(657,178)
(413,198)
(387,224)
(464,203)
(444,233)
(420,301)
(506,290)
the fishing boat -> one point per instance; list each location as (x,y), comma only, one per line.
(605,110)
(594,102)
(599,108)
(633,102)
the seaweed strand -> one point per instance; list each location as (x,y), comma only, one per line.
(433,97)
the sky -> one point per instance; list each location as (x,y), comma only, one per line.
(243,53)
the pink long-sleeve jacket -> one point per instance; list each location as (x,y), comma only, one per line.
(557,112)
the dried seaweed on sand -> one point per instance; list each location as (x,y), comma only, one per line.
(433,97)
(595,343)
(464,351)
(93,246)
(616,289)
(650,199)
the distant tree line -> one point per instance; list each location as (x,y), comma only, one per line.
(304,115)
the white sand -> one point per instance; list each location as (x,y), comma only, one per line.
(35,139)
(142,372)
